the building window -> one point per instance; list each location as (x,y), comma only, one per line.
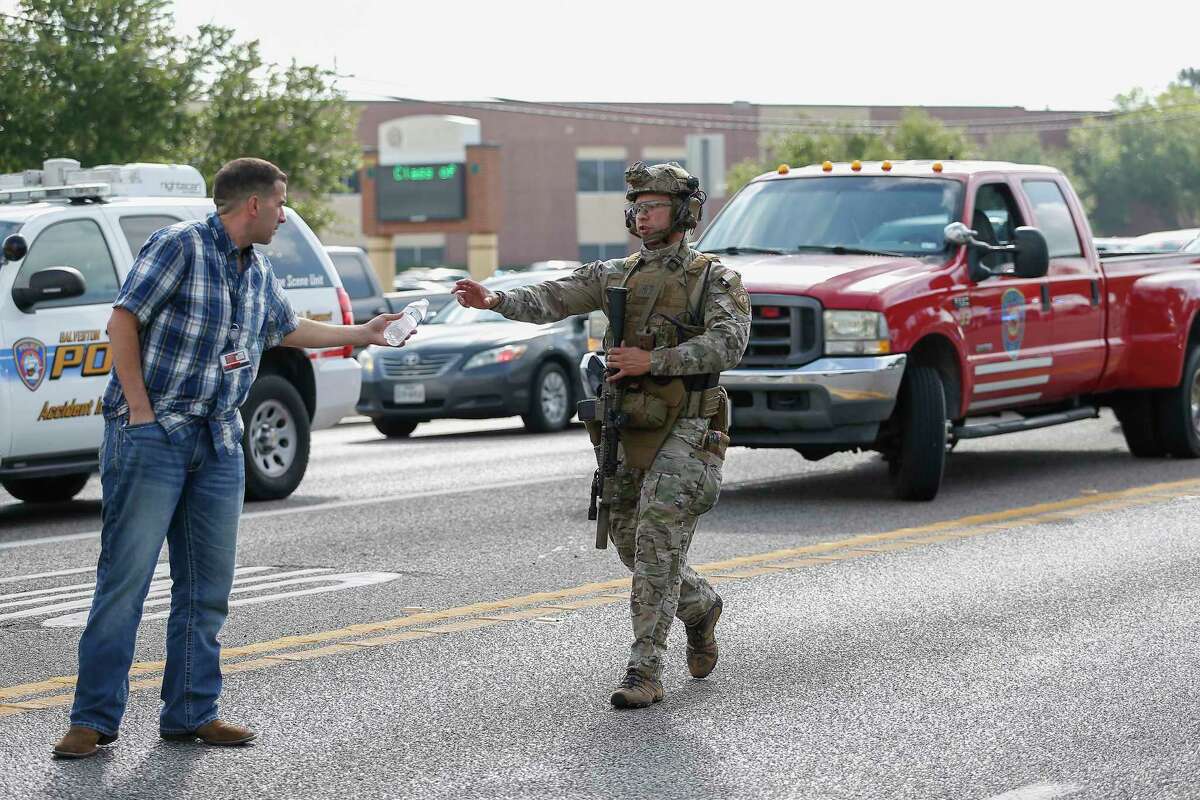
(602,252)
(596,175)
(420,257)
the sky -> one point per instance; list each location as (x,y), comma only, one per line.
(1057,54)
(1049,54)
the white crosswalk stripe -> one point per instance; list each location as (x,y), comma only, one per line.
(67,605)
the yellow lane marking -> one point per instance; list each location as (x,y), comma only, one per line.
(591,602)
(601,593)
(525,613)
(304,655)
(391,638)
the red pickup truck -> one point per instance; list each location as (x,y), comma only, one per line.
(903,306)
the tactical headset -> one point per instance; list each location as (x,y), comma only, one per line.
(687,207)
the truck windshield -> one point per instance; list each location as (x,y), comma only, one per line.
(887,215)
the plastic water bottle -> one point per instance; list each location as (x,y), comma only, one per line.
(412,315)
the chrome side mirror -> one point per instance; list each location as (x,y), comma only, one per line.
(958,233)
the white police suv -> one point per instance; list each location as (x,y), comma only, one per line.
(70,236)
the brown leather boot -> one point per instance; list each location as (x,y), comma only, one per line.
(217,733)
(702,643)
(81,742)
(637,691)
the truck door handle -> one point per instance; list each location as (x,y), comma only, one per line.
(1045,298)
(1095,294)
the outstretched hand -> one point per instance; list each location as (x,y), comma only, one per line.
(473,294)
(375,328)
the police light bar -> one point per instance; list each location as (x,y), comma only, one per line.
(63,178)
(82,191)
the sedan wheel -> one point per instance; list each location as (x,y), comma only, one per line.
(550,401)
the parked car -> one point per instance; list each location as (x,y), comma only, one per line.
(540,266)
(1112,244)
(474,364)
(1162,241)
(444,275)
(359,280)
(902,307)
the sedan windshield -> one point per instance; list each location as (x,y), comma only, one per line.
(454,314)
(840,215)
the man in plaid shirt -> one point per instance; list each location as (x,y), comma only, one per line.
(194,316)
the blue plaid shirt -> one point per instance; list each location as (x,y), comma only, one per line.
(194,305)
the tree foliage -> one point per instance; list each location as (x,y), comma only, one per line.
(917,135)
(1141,171)
(108,81)
(291,117)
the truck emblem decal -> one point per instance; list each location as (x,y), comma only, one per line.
(410,359)
(1012,321)
(963,304)
(30,358)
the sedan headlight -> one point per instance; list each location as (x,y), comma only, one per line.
(366,360)
(497,355)
(856,333)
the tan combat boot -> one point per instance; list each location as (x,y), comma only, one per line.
(81,742)
(637,691)
(217,733)
(702,643)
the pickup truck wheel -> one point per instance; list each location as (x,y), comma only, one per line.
(1138,415)
(276,441)
(550,400)
(917,465)
(58,489)
(394,428)
(1179,411)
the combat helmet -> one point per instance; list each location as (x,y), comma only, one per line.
(687,198)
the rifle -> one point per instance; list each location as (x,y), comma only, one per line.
(607,409)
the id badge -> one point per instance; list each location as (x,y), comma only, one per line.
(234,360)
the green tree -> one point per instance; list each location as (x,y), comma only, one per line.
(1019,148)
(1140,170)
(107,81)
(292,117)
(102,81)
(921,136)
(1189,77)
(917,135)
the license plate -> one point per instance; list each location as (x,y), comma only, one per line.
(408,393)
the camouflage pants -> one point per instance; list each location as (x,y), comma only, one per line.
(653,521)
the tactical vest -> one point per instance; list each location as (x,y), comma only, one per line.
(664,308)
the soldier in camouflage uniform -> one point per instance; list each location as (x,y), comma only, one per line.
(687,319)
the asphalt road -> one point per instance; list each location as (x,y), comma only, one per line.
(428,618)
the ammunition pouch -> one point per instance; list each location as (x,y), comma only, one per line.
(644,411)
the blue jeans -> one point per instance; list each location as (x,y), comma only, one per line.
(187,493)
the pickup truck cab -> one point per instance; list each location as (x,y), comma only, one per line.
(903,306)
(70,236)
